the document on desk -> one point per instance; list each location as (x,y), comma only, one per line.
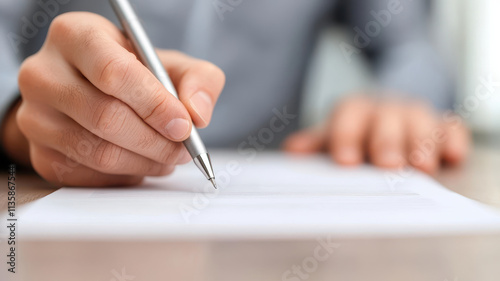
(267,195)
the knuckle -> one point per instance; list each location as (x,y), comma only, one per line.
(109,118)
(107,156)
(113,73)
(28,75)
(73,27)
(61,26)
(36,80)
(148,140)
(69,95)
(91,37)
(70,141)
(158,106)
(24,120)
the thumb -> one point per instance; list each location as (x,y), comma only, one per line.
(310,140)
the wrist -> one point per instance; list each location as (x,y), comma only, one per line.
(14,143)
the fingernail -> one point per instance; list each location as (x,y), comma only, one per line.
(177,129)
(202,105)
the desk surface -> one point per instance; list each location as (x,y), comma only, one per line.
(457,258)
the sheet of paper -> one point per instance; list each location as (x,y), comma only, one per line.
(270,195)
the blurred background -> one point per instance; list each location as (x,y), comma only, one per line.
(466,34)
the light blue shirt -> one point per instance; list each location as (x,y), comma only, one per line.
(263,47)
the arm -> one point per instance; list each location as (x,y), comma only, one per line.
(402,127)
(13,143)
(398,46)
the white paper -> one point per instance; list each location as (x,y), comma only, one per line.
(271,195)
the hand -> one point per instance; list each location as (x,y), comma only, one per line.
(389,134)
(94,115)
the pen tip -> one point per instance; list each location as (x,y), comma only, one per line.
(213,182)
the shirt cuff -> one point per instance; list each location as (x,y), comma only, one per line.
(9,93)
(415,70)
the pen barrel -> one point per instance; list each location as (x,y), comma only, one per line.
(194,144)
(148,56)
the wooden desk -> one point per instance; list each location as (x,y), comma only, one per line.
(457,258)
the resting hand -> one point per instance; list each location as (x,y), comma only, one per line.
(388,133)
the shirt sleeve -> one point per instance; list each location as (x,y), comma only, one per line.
(395,36)
(10,42)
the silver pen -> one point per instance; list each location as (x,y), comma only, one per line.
(144,48)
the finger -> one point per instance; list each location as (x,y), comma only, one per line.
(348,130)
(199,84)
(53,130)
(184,157)
(386,145)
(423,150)
(456,147)
(103,115)
(310,140)
(114,70)
(66,25)
(54,167)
